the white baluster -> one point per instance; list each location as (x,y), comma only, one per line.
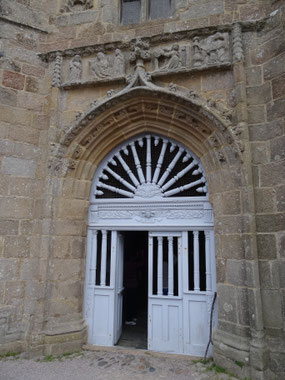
(170,167)
(127,169)
(170,266)
(196,261)
(159,161)
(179,175)
(103,259)
(137,163)
(93,266)
(159,266)
(120,179)
(150,266)
(148,159)
(183,188)
(116,190)
(208,262)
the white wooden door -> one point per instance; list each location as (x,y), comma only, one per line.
(165,293)
(118,245)
(103,302)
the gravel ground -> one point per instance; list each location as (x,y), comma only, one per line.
(109,364)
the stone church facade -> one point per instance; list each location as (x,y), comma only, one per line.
(80,78)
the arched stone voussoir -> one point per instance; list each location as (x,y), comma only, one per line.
(154,104)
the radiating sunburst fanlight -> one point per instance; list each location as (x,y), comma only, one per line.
(151,167)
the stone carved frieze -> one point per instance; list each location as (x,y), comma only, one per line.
(211,51)
(173,58)
(76,5)
(107,65)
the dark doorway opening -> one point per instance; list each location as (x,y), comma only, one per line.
(134,332)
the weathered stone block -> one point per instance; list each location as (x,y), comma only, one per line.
(280,197)
(217,81)
(18,167)
(274,67)
(84,17)
(272,308)
(72,209)
(266,246)
(254,76)
(14,289)
(31,101)
(8,96)
(276,109)
(65,269)
(269,274)
(268,50)
(33,70)
(227,307)
(277,148)
(278,87)
(259,153)
(13,80)
(17,246)
(8,269)
(266,131)
(9,227)
(12,207)
(32,84)
(203,8)
(265,200)
(259,94)
(256,114)
(272,174)
(242,302)
(270,222)
(281,245)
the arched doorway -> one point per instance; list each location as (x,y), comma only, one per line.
(154,184)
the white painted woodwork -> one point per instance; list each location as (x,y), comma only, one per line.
(178,317)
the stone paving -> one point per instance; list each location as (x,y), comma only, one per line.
(114,363)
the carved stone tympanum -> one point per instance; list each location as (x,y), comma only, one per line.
(100,67)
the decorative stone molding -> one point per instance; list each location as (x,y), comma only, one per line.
(238,55)
(57,71)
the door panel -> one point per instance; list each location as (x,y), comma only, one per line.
(164,303)
(119,274)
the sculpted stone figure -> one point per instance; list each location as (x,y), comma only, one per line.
(75,69)
(173,54)
(100,66)
(119,67)
(217,49)
(198,52)
(80,4)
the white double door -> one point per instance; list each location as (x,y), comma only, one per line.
(178,317)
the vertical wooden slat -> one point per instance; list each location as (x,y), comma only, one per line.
(148,159)
(103,258)
(150,266)
(196,261)
(93,266)
(170,266)
(159,266)
(208,262)
(114,248)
